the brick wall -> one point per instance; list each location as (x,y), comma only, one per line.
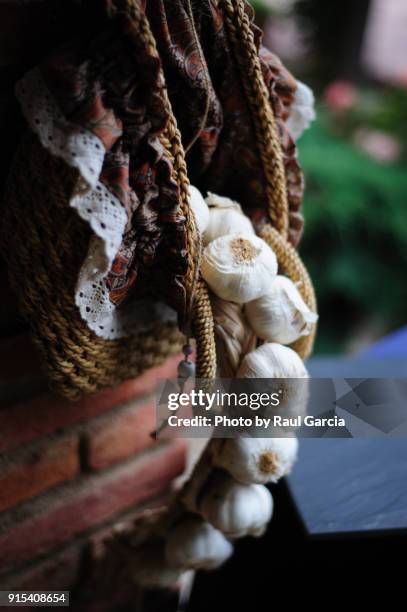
(71,472)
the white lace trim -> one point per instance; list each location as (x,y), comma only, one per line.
(103,211)
(76,146)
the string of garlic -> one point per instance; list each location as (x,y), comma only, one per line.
(225,497)
(241,268)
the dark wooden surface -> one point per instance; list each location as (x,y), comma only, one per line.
(350,486)
(346,486)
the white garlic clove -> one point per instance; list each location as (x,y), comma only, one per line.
(257,460)
(150,568)
(223,222)
(199,208)
(239,267)
(302,112)
(272,360)
(281,315)
(216,201)
(235,509)
(225,217)
(194,544)
(267,503)
(284,373)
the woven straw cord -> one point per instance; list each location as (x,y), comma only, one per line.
(45,243)
(291,264)
(202,323)
(246,54)
(247,58)
(204,332)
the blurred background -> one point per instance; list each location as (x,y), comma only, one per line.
(354,56)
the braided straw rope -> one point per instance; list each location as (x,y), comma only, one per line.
(243,44)
(242,40)
(291,264)
(201,318)
(204,332)
(202,323)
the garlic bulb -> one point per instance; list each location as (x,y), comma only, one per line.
(281,315)
(151,569)
(302,111)
(235,509)
(272,360)
(194,544)
(257,460)
(284,373)
(199,208)
(225,217)
(239,267)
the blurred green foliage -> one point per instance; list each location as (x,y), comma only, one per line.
(355,243)
(378,108)
(384,109)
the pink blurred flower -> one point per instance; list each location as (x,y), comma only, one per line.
(340,95)
(383,147)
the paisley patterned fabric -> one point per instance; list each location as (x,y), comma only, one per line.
(105,79)
(224,159)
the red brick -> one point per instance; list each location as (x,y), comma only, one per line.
(48,464)
(116,438)
(99,498)
(46,413)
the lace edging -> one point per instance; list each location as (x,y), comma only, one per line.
(106,216)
